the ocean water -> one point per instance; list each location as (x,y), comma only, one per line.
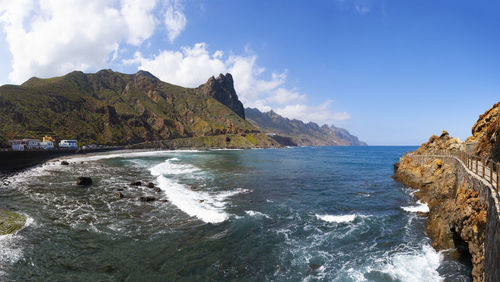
(295,214)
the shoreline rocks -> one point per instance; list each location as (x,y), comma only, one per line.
(11,222)
(84,181)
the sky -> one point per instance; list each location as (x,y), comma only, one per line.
(391,72)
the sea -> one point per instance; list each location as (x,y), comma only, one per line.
(288,214)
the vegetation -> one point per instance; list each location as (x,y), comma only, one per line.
(10,222)
(112,108)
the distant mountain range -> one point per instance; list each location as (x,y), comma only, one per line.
(139,110)
(302,134)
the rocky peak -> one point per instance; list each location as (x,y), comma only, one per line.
(222,89)
(142,73)
(440,143)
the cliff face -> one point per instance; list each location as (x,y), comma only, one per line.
(302,134)
(456,218)
(486,133)
(222,89)
(113,108)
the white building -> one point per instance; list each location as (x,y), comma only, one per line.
(68,144)
(25,144)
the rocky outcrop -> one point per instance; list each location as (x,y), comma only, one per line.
(300,133)
(486,134)
(222,89)
(438,144)
(84,181)
(11,222)
(457,216)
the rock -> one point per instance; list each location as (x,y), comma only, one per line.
(119,195)
(150,185)
(85,181)
(163,200)
(157,189)
(222,89)
(135,183)
(11,222)
(201,201)
(194,188)
(64,163)
(314,266)
(119,189)
(147,199)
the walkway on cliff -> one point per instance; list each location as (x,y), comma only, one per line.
(485,169)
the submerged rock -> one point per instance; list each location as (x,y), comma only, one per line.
(147,199)
(83,180)
(11,222)
(314,266)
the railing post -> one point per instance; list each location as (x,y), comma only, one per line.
(482,160)
(491,172)
(498,178)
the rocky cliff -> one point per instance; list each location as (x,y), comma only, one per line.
(302,134)
(222,89)
(486,134)
(462,207)
(113,108)
(456,218)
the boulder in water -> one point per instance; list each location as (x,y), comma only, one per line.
(135,183)
(83,180)
(11,222)
(157,189)
(147,199)
(150,185)
(64,163)
(119,195)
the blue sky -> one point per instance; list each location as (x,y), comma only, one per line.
(391,72)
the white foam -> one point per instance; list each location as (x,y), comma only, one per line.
(127,154)
(336,218)
(415,266)
(168,167)
(421,207)
(209,207)
(256,213)
(12,251)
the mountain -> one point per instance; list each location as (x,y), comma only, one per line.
(302,134)
(113,108)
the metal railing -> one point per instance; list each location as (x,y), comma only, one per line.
(484,168)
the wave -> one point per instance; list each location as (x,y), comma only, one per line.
(336,218)
(12,250)
(127,154)
(418,265)
(421,207)
(208,207)
(256,213)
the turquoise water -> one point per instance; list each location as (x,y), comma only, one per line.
(296,214)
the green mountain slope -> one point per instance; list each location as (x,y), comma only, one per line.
(302,134)
(113,108)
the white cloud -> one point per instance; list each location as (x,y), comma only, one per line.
(141,22)
(362,9)
(283,96)
(175,20)
(192,66)
(320,114)
(50,37)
